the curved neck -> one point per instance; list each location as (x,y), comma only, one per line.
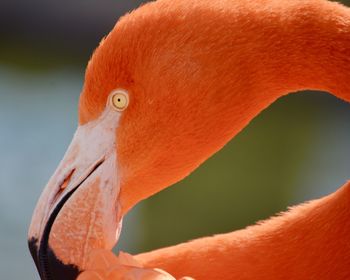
(283,46)
(221,63)
(290,46)
(272,48)
(307,47)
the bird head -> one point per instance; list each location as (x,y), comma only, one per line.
(161,95)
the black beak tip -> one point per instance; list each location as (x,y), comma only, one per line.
(59,270)
(33,248)
(53,269)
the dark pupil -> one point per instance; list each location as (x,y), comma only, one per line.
(118,99)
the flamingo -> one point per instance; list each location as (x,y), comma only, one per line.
(172,83)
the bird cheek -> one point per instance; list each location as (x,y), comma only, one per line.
(83,225)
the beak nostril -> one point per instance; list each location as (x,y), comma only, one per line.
(63,185)
(67,180)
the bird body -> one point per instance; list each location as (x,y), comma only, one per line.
(194,74)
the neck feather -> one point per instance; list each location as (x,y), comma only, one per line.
(220,63)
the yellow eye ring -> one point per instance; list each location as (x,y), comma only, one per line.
(119,99)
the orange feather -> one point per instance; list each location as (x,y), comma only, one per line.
(198,72)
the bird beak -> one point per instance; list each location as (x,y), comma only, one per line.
(79,211)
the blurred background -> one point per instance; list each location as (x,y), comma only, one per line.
(296,150)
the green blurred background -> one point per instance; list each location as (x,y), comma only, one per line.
(296,150)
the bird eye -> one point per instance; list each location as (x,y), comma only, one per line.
(119,100)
